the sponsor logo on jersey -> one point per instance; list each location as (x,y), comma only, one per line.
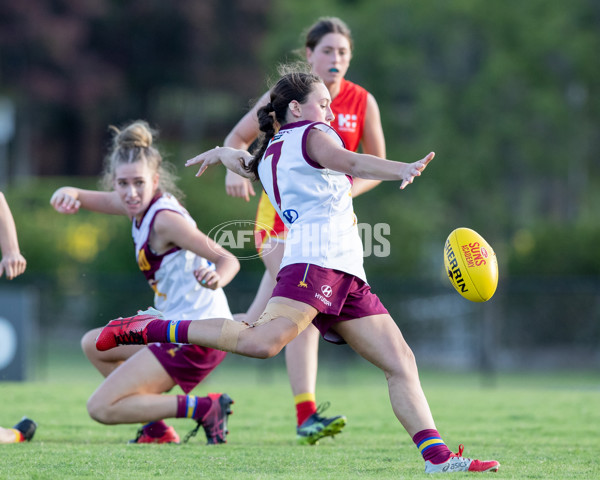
(290,215)
(347,122)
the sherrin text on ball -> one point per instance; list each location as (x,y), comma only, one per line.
(471,265)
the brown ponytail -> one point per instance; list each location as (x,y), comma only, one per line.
(291,86)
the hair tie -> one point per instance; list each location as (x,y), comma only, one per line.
(270,107)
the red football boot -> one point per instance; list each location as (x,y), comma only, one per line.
(127,331)
(170,436)
(214,421)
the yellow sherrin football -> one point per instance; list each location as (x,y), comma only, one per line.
(471,265)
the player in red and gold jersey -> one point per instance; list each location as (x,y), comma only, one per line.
(328,49)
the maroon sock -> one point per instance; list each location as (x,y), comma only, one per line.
(156,429)
(172,331)
(432,447)
(190,406)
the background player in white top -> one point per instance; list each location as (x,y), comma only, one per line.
(186,270)
(352,312)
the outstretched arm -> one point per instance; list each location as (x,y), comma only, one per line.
(12,262)
(234,159)
(328,153)
(69,200)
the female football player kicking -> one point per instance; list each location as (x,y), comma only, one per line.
(305,171)
(328,48)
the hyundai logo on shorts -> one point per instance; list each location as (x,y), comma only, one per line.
(326,290)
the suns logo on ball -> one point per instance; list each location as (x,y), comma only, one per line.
(454,272)
(471,264)
(475,254)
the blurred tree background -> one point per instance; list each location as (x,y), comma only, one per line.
(506,94)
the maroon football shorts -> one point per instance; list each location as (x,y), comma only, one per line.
(338,296)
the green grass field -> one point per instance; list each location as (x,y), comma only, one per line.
(536,425)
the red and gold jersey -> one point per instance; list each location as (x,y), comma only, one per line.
(350,109)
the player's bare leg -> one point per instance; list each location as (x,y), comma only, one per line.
(8,435)
(261,341)
(106,362)
(301,357)
(281,322)
(133,392)
(378,339)
(301,354)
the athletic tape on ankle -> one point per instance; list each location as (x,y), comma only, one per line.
(230,333)
(277,310)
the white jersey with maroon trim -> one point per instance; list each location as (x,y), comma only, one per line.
(177,293)
(314,202)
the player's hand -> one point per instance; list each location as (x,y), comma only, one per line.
(232,158)
(64,201)
(207,278)
(14,265)
(237,186)
(413,170)
(205,160)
